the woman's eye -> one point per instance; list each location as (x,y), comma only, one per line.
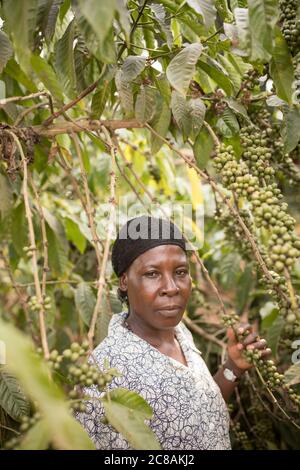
(151,274)
(182,272)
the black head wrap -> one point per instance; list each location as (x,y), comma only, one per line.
(141,234)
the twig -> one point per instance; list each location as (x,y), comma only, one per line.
(4,101)
(129,165)
(123,47)
(212,133)
(275,401)
(28,111)
(72,103)
(88,204)
(197,329)
(66,127)
(129,182)
(44,237)
(290,289)
(33,250)
(112,200)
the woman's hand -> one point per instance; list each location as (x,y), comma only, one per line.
(236,348)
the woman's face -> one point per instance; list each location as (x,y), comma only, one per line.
(158,285)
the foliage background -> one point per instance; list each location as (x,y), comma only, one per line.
(102,101)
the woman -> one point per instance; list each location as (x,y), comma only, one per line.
(155,352)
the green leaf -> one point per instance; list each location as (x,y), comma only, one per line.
(232,72)
(197,114)
(231,121)
(181,113)
(48,13)
(64,61)
(189,115)
(2,90)
(181,69)
(292,375)
(85,302)
(203,148)
(241,16)
(126,411)
(292,129)
(124,17)
(57,251)
(14,70)
(160,14)
(281,68)
(274,333)
(237,107)
(19,231)
(101,94)
(47,76)
(6,196)
(20,19)
(145,104)
(125,93)
(37,438)
(133,65)
(12,398)
(244,287)
(230,269)
(107,49)
(206,9)
(74,234)
(99,15)
(217,75)
(160,125)
(263,16)
(6,50)
(34,376)
(163,86)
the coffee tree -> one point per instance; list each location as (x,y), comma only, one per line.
(116,107)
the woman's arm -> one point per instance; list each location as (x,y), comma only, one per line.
(225,385)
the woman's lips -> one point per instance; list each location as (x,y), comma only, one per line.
(170,310)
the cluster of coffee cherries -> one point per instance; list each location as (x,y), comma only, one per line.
(27,422)
(235,233)
(270,127)
(263,430)
(80,372)
(256,153)
(270,212)
(235,175)
(241,436)
(267,209)
(270,374)
(36,306)
(290,24)
(249,83)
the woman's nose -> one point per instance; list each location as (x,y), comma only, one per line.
(169,286)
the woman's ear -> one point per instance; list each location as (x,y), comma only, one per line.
(123,284)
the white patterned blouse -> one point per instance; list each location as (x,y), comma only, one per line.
(189,412)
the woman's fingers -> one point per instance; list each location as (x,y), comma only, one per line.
(250,338)
(266,353)
(261,344)
(243,327)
